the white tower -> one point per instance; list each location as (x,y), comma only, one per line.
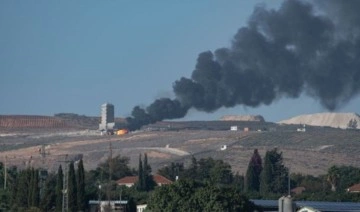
(107,117)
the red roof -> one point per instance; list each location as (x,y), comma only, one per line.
(161,179)
(133,179)
(354,188)
(127,180)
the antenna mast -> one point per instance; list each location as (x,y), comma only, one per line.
(65,202)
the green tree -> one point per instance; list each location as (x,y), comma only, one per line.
(81,201)
(2,170)
(352,124)
(191,172)
(239,182)
(141,181)
(5,200)
(252,177)
(333,177)
(120,169)
(274,176)
(72,192)
(220,173)
(22,194)
(342,177)
(49,197)
(145,179)
(311,183)
(170,172)
(34,188)
(175,197)
(210,170)
(149,183)
(188,195)
(59,189)
(12,184)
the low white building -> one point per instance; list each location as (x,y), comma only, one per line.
(106,205)
(308,209)
(140,208)
(233,128)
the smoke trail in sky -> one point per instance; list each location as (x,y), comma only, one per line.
(298,48)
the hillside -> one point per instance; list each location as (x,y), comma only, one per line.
(59,121)
(242,118)
(310,152)
(26,121)
(336,120)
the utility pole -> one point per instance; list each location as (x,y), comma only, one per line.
(110,170)
(65,191)
(43,170)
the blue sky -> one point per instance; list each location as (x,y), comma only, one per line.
(72,56)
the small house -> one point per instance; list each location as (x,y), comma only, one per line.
(354,188)
(129,181)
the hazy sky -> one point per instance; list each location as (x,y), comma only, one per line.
(72,56)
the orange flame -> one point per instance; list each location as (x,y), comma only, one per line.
(122,132)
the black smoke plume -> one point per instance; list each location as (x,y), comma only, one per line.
(299,48)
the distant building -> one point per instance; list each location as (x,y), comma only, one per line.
(107,117)
(354,188)
(233,128)
(107,205)
(141,208)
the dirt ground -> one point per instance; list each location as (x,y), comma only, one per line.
(312,153)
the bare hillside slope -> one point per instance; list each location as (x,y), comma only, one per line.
(336,120)
(310,152)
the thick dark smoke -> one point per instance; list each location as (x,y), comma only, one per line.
(299,48)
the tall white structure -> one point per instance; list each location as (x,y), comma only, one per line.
(107,117)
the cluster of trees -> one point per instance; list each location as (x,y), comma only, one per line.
(205,184)
(270,178)
(207,170)
(329,187)
(352,124)
(191,195)
(36,190)
(145,181)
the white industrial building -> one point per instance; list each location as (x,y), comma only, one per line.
(107,117)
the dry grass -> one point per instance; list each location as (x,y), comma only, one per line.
(312,152)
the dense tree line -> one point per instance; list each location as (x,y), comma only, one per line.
(25,191)
(204,170)
(206,183)
(190,195)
